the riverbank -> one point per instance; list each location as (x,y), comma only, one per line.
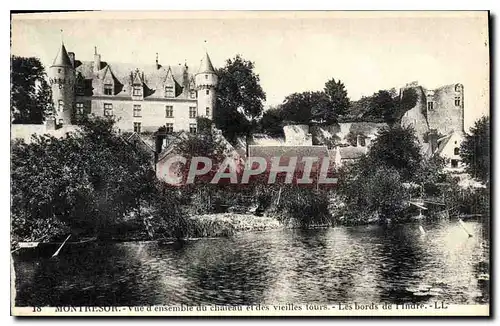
(227,224)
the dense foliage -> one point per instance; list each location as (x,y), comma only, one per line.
(383,106)
(272,122)
(338,101)
(475,150)
(379,185)
(30,92)
(239,98)
(88,183)
(372,193)
(397,147)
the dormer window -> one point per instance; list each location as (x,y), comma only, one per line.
(108,89)
(137,90)
(169,91)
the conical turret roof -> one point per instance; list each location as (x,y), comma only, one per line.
(62,58)
(206,65)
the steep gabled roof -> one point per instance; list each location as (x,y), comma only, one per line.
(62,59)
(442,144)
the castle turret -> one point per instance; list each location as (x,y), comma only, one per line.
(206,81)
(62,80)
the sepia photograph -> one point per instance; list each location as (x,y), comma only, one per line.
(250,163)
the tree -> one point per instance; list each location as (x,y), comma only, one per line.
(384,106)
(203,124)
(397,147)
(271,122)
(87,181)
(372,192)
(475,150)
(239,98)
(301,108)
(338,100)
(30,92)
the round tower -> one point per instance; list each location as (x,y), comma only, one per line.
(206,81)
(62,81)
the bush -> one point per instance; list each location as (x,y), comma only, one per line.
(375,194)
(304,207)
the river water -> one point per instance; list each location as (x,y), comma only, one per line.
(393,264)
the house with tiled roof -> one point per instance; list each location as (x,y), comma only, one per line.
(449,149)
(140,97)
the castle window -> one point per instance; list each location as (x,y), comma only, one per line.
(79,108)
(457,101)
(137,91)
(108,89)
(430,106)
(192,93)
(192,111)
(60,104)
(169,128)
(137,127)
(208,111)
(456,151)
(137,111)
(169,91)
(207,92)
(108,109)
(192,128)
(454,163)
(169,111)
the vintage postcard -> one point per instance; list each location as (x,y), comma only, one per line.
(250,163)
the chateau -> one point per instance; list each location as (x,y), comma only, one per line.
(141,98)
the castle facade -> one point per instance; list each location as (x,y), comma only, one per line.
(141,98)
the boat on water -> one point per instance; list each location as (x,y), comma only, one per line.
(47,248)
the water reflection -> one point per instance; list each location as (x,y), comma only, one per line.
(343,264)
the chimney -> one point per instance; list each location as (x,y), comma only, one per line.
(185,76)
(157,63)
(97,61)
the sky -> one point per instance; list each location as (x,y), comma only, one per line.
(292,51)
